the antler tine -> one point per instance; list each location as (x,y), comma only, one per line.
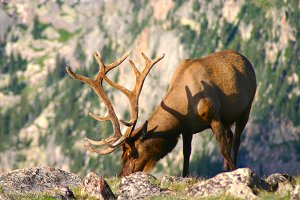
(103,70)
(117,62)
(139,85)
(117,139)
(135,70)
(79,77)
(99,118)
(96,85)
(116,143)
(101,65)
(101,142)
(158,59)
(133,95)
(141,78)
(147,60)
(103,151)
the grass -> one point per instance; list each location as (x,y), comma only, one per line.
(182,197)
(179,186)
(274,196)
(297,180)
(113,183)
(79,193)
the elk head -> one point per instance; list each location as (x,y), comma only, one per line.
(130,139)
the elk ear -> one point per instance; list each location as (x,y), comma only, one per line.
(144,130)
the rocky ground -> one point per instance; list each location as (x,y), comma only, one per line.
(51,183)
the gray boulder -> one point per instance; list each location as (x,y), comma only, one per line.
(38,180)
(241,183)
(296,193)
(139,186)
(281,183)
(97,187)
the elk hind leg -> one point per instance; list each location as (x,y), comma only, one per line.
(220,135)
(187,147)
(239,127)
(229,137)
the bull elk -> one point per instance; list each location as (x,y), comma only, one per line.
(211,92)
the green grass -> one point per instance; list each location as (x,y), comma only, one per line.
(297,180)
(31,196)
(179,186)
(113,183)
(170,197)
(79,193)
(184,197)
(273,196)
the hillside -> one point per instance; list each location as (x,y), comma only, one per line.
(44,113)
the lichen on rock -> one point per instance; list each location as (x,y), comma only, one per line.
(139,186)
(97,187)
(241,183)
(37,179)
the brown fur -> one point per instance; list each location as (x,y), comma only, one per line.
(212,92)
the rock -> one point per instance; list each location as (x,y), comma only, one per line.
(97,187)
(281,183)
(296,193)
(38,180)
(240,183)
(67,193)
(139,186)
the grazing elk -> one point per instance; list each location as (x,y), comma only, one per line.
(211,92)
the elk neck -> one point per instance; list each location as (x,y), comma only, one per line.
(163,131)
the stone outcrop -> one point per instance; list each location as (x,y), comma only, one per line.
(97,187)
(243,183)
(240,183)
(38,180)
(281,183)
(139,186)
(296,193)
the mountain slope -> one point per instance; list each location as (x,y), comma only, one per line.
(44,113)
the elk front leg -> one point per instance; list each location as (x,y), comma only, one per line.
(187,147)
(220,134)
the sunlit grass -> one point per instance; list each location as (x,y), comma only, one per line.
(113,183)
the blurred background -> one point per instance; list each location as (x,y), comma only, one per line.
(44,113)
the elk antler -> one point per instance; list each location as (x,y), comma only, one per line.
(117,138)
(133,95)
